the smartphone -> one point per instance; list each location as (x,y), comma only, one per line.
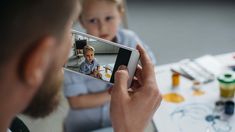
(99,58)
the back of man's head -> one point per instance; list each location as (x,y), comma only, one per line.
(23,22)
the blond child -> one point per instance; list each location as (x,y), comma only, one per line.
(90,66)
(101,18)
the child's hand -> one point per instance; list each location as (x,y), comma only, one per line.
(95,73)
(92,73)
(99,75)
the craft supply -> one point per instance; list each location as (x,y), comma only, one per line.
(196,85)
(198,92)
(106,69)
(227,85)
(175,79)
(173,98)
(219,106)
(107,75)
(197,89)
(229,108)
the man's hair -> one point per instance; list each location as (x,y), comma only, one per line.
(23,22)
(88,48)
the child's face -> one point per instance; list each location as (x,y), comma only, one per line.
(101,18)
(89,56)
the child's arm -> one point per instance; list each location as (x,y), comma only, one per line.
(89,100)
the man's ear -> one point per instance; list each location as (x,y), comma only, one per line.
(36,60)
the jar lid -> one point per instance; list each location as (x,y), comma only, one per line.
(228,77)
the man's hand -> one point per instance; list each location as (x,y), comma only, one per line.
(132,112)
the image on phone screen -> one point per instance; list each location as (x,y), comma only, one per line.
(96,58)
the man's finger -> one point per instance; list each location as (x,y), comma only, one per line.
(144,58)
(121,82)
(135,85)
(138,72)
(147,69)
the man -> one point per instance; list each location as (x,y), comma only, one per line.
(35,41)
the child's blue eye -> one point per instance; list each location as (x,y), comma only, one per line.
(93,21)
(108,18)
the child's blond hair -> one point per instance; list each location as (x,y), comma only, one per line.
(119,3)
(88,48)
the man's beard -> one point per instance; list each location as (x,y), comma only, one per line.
(47,97)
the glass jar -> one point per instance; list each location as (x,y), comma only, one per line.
(227,84)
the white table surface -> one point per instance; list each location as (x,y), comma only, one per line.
(190,115)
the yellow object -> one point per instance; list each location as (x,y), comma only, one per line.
(227,92)
(173,98)
(227,85)
(198,92)
(107,75)
(175,79)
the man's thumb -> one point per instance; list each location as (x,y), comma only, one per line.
(121,80)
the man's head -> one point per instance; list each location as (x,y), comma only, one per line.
(89,53)
(35,41)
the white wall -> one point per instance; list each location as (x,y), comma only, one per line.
(176,31)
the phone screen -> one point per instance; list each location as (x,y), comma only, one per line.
(96,58)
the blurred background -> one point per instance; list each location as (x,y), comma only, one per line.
(177,29)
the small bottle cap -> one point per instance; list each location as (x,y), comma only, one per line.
(196,85)
(219,106)
(229,107)
(219,103)
(228,77)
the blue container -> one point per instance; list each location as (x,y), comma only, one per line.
(229,107)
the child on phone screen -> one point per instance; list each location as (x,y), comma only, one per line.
(90,66)
(100,18)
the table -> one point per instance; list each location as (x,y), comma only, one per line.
(106,71)
(196,112)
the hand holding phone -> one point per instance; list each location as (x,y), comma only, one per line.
(132,112)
